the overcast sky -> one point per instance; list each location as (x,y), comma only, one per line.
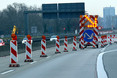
(93,7)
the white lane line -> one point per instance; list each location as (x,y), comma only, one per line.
(110,51)
(102,50)
(33,62)
(100,67)
(7,72)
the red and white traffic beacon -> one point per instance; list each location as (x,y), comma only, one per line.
(13,52)
(28,49)
(65,44)
(74,44)
(57,45)
(43,47)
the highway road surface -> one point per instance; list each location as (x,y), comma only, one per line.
(72,64)
(110,61)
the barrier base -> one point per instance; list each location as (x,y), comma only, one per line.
(43,55)
(28,60)
(65,50)
(74,49)
(101,46)
(57,52)
(14,65)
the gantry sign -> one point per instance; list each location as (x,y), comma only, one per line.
(88,31)
(55,11)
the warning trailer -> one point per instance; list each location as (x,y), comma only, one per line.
(88,31)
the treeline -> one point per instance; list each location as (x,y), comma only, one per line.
(14,15)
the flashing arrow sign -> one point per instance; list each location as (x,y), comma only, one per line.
(94,24)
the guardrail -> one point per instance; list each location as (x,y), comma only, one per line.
(5,50)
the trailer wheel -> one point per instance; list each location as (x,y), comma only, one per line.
(97,45)
(79,45)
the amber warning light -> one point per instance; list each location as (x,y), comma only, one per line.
(94,24)
(91,26)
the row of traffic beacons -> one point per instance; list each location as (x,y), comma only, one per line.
(107,39)
(28,55)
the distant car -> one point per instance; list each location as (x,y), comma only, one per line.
(2,42)
(24,40)
(53,38)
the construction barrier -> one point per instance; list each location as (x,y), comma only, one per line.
(57,46)
(65,44)
(103,38)
(83,20)
(81,40)
(74,44)
(28,50)
(107,39)
(113,38)
(13,52)
(43,47)
(102,44)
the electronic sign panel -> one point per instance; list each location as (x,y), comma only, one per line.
(71,10)
(49,11)
(50,15)
(63,10)
(75,7)
(49,7)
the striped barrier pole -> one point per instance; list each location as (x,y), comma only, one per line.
(57,45)
(74,44)
(82,43)
(93,43)
(13,52)
(105,42)
(95,30)
(43,47)
(28,50)
(102,43)
(81,24)
(65,44)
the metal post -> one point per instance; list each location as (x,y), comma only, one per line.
(26,24)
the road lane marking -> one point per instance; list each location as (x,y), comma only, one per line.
(7,71)
(102,50)
(33,62)
(100,67)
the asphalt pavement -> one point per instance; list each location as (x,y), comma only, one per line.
(110,61)
(72,64)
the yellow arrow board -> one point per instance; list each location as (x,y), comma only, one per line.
(94,24)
